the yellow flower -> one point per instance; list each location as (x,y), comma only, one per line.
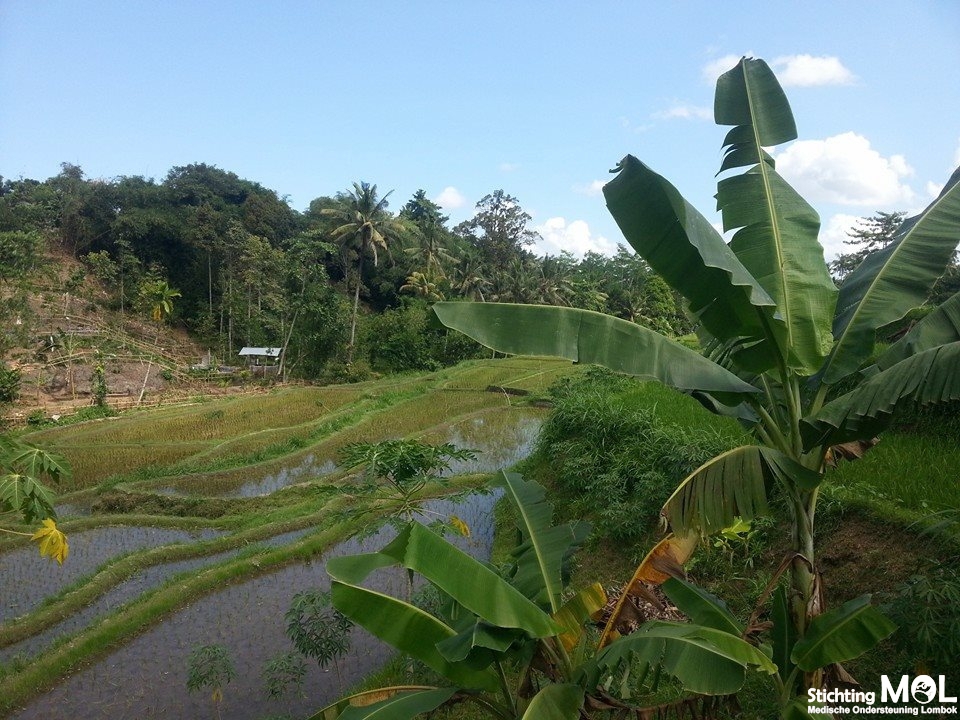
(53,543)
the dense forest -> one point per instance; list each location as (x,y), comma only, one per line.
(235,265)
(344,286)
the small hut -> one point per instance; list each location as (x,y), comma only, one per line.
(262,360)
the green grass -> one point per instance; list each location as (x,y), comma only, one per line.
(905,470)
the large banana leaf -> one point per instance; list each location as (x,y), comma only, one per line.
(891,281)
(928,377)
(468,581)
(556,702)
(777,236)
(701,607)
(841,634)
(704,660)
(543,548)
(940,327)
(390,703)
(585,603)
(408,629)
(665,560)
(688,252)
(732,486)
(588,337)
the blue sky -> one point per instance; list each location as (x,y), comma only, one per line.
(540,99)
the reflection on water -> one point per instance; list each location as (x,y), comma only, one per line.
(26,578)
(500,438)
(129,589)
(147,676)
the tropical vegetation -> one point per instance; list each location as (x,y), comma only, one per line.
(786,352)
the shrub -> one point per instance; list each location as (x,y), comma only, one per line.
(616,448)
(403,339)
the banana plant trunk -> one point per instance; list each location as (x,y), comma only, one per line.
(806,593)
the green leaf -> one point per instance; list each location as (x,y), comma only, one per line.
(556,702)
(732,485)
(540,555)
(797,709)
(408,629)
(687,251)
(704,660)
(701,607)
(379,695)
(940,327)
(468,581)
(36,463)
(588,337)
(891,281)
(777,236)
(931,376)
(402,706)
(841,634)
(481,642)
(784,636)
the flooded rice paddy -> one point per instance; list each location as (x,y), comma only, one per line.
(25,568)
(147,677)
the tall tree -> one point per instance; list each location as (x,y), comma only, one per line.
(499,229)
(873,233)
(365,228)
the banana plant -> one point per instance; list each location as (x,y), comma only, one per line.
(523,616)
(787,353)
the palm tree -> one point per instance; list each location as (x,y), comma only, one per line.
(365,227)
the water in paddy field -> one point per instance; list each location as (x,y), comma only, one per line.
(24,568)
(147,677)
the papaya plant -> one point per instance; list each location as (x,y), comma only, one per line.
(786,352)
(24,496)
(524,617)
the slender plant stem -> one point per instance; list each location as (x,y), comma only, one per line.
(505,688)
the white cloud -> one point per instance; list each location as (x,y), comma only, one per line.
(791,70)
(933,189)
(508,167)
(559,235)
(834,232)
(808,71)
(845,170)
(592,190)
(956,156)
(450,198)
(685,112)
(715,68)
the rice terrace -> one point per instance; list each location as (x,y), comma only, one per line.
(357,464)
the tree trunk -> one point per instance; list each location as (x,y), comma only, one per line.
(356,307)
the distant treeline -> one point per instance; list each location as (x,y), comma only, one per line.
(346,283)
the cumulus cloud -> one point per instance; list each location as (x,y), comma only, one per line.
(684,112)
(450,198)
(845,170)
(715,68)
(791,70)
(808,71)
(592,190)
(558,235)
(834,232)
